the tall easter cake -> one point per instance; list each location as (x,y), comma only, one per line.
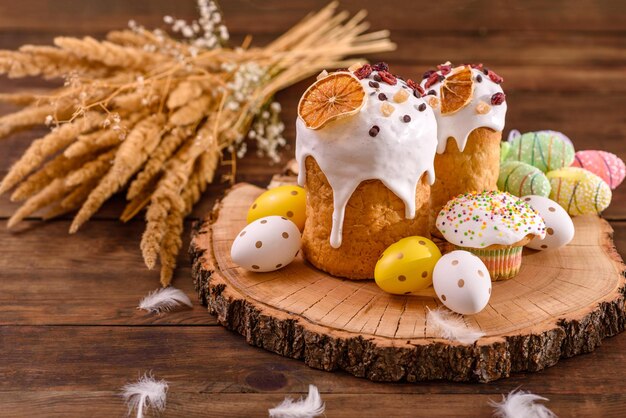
(365,145)
(470,108)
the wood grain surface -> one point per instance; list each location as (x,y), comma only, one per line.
(70,335)
(561,304)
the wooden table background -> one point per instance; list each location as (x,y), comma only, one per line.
(70,335)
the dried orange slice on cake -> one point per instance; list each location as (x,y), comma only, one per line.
(456,91)
(330,98)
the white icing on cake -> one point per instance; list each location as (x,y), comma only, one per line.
(398,155)
(460,124)
(478,220)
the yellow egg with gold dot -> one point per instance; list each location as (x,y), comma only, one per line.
(407,265)
(286,201)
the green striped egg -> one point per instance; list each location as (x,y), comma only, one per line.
(544,150)
(579,191)
(521,179)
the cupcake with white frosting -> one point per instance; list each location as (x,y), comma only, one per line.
(492,225)
(367,168)
(470,108)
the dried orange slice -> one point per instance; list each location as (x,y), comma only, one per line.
(456,91)
(335,96)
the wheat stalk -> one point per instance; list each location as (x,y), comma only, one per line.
(152,115)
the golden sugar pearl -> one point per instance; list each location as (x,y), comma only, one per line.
(288,202)
(387,109)
(401,96)
(433,102)
(321,75)
(482,108)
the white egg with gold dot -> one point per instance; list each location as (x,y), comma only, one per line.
(462,282)
(267,244)
(559,225)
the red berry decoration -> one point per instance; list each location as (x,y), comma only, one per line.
(387,77)
(418,91)
(494,77)
(363,72)
(444,68)
(381,66)
(498,99)
(432,79)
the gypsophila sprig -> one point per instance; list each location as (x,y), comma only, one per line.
(267,131)
(150,113)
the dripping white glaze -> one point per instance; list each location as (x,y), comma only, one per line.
(347,154)
(460,124)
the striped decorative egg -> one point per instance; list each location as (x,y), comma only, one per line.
(609,167)
(521,179)
(514,133)
(579,191)
(543,149)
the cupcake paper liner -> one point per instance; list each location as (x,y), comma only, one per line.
(502,264)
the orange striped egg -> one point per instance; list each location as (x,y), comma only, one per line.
(609,167)
(579,191)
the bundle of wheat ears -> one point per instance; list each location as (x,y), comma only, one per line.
(150,114)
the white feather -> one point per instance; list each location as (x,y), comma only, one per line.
(309,407)
(144,394)
(162,300)
(520,404)
(451,326)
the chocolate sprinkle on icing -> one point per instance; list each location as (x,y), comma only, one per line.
(431,93)
(374,131)
(374,84)
(382,96)
(377,78)
(406,118)
(422,107)
(479,78)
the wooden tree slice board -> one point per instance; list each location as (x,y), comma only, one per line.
(563,303)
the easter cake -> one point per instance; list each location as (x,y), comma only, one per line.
(381,162)
(367,167)
(470,108)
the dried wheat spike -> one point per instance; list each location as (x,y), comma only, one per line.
(129,158)
(60,166)
(50,194)
(92,169)
(184,93)
(77,197)
(92,143)
(47,62)
(19,99)
(167,191)
(192,112)
(50,144)
(171,244)
(128,38)
(109,54)
(25,118)
(155,164)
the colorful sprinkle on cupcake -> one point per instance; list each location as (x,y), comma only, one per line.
(494,226)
